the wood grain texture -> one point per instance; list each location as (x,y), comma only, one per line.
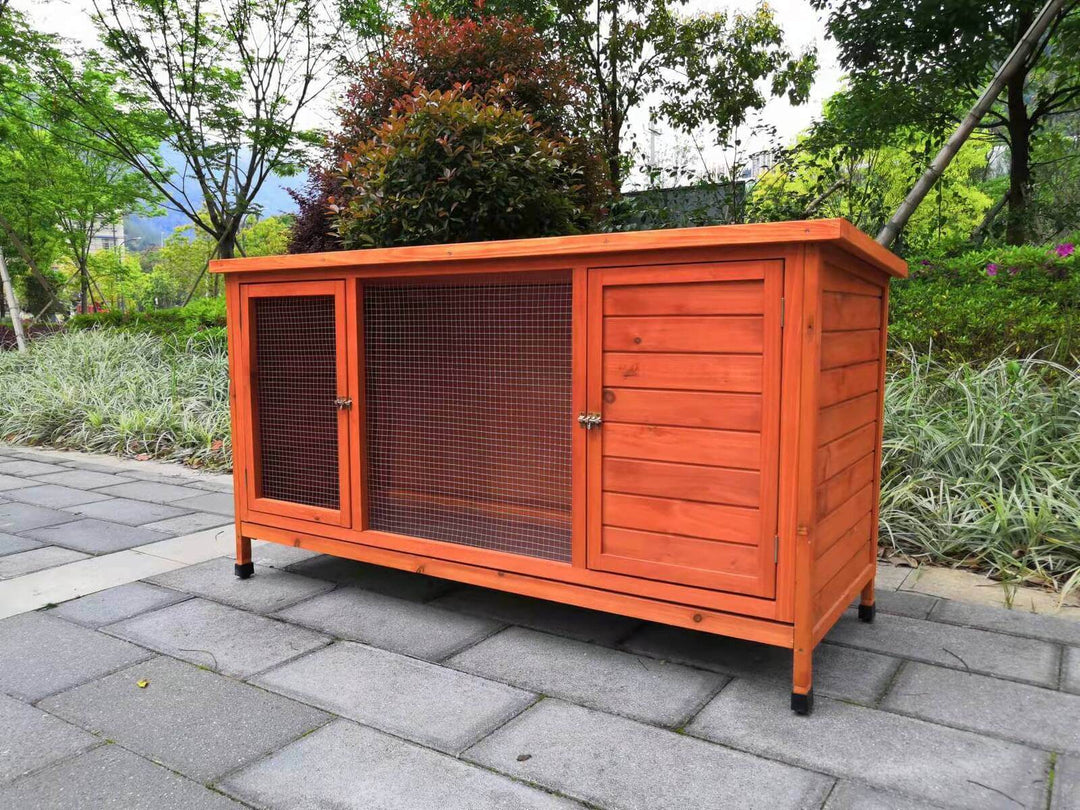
(734,373)
(691,518)
(737,334)
(687,481)
(704,409)
(720,448)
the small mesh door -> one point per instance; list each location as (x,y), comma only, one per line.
(295,380)
(469,414)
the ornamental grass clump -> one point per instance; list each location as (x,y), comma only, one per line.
(111,391)
(981,467)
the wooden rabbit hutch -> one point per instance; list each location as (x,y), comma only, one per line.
(682,426)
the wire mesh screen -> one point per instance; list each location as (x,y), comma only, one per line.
(469,414)
(296,384)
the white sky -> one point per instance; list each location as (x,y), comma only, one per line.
(802,27)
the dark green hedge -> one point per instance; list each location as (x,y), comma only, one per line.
(204,317)
(989,302)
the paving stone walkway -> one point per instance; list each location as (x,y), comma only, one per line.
(137,672)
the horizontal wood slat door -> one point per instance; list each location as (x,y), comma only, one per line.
(684,371)
(294,400)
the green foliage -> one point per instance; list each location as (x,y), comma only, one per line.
(447,167)
(985,303)
(180,324)
(112,391)
(981,467)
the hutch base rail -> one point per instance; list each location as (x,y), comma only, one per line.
(681,426)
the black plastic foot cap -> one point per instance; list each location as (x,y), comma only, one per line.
(867,613)
(802,704)
(244,570)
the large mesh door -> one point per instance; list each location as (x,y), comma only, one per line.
(295,387)
(469,414)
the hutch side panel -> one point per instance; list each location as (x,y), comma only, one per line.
(848,456)
(684,372)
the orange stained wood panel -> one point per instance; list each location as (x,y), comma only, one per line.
(734,334)
(736,373)
(847,382)
(691,560)
(701,298)
(835,523)
(721,448)
(845,451)
(704,409)
(844,582)
(732,524)
(845,312)
(851,543)
(686,481)
(844,417)
(849,348)
(837,279)
(832,492)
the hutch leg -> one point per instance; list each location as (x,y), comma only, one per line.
(802,681)
(244,567)
(867,608)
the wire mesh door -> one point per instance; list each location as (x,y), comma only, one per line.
(468,413)
(297,400)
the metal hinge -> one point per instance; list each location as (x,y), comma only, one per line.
(776,549)
(343,403)
(783,306)
(590,420)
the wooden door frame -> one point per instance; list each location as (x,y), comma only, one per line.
(247,403)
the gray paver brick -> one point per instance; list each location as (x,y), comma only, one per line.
(11,482)
(613,762)
(391,581)
(1070,670)
(188,524)
(116,604)
(24,468)
(393,624)
(1066,794)
(838,672)
(269,590)
(95,536)
(1018,622)
(539,614)
(126,510)
(889,751)
(110,777)
(54,496)
(1040,717)
(363,769)
(853,796)
(220,502)
(591,675)
(32,739)
(83,479)
(904,603)
(191,720)
(44,654)
(278,555)
(951,646)
(222,638)
(150,491)
(432,705)
(36,559)
(10,544)
(18,517)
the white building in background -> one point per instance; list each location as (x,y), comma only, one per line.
(109,237)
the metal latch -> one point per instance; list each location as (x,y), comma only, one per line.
(590,420)
(343,403)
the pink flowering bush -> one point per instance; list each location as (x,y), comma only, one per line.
(984,303)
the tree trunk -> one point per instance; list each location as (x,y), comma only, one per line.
(84,288)
(1017,223)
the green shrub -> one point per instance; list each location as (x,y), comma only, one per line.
(449,167)
(179,323)
(981,467)
(119,392)
(981,304)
